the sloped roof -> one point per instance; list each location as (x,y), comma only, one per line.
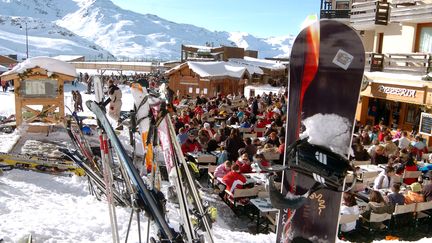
(216,69)
(68,58)
(261,63)
(47,63)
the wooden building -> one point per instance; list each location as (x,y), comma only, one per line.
(38,87)
(209,53)
(7,61)
(207,78)
(264,71)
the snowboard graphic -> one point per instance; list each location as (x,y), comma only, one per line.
(326,70)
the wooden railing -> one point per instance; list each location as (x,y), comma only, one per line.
(417,13)
(334,13)
(368,13)
(418,63)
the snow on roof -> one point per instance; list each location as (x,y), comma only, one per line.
(47,63)
(3,68)
(201,48)
(67,58)
(93,72)
(216,69)
(251,69)
(146,64)
(262,63)
(266,87)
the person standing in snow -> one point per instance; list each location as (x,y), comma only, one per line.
(115,104)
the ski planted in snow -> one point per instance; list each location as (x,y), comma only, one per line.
(148,198)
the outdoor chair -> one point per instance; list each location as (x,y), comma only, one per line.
(245,129)
(411,174)
(424,212)
(376,218)
(403,214)
(249,135)
(262,129)
(236,199)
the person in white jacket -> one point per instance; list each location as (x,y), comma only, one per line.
(115,104)
(349,206)
(385,178)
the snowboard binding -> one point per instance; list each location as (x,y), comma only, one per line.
(318,162)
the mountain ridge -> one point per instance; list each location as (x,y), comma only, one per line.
(111,31)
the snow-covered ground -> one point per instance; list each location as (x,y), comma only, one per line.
(60,209)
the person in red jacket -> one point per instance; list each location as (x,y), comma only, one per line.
(191,145)
(234,179)
(410,166)
(244,163)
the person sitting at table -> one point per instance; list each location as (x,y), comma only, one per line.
(273,140)
(233,120)
(191,145)
(427,192)
(207,128)
(271,129)
(223,169)
(233,144)
(418,147)
(390,148)
(262,162)
(415,194)
(395,197)
(372,148)
(410,166)
(379,157)
(404,142)
(360,153)
(182,136)
(384,179)
(250,149)
(377,205)
(246,123)
(364,137)
(234,179)
(244,163)
(260,124)
(349,206)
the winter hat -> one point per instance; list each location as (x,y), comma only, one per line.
(416,187)
(206,125)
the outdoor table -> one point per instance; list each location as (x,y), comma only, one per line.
(263,206)
(371,168)
(234,126)
(256,178)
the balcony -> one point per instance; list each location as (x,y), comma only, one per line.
(366,14)
(334,14)
(416,12)
(413,63)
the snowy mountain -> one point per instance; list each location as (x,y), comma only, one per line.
(99,28)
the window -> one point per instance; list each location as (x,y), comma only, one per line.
(205,90)
(190,90)
(40,88)
(424,38)
(197,90)
(342,4)
(413,113)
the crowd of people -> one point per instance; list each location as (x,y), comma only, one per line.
(397,151)
(216,124)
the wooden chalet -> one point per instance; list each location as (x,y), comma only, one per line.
(38,86)
(207,78)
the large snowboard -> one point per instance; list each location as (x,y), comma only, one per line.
(326,70)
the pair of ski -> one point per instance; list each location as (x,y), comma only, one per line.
(326,71)
(147,196)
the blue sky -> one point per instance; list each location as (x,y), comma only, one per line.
(262,18)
